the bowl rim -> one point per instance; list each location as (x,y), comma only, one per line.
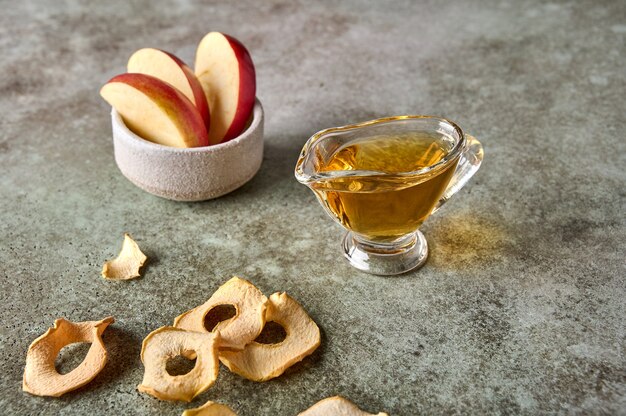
(257,116)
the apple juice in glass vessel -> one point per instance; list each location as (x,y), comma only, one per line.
(382,179)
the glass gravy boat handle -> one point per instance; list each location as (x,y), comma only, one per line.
(469,162)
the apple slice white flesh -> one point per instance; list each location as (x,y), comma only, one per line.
(155,110)
(226,72)
(169,68)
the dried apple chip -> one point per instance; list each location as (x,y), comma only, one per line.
(245,326)
(127,264)
(41,377)
(260,362)
(337,406)
(169,342)
(210,409)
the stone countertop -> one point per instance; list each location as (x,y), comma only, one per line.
(520,308)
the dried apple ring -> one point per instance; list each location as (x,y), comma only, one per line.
(169,342)
(41,377)
(244,327)
(336,406)
(260,362)
(210,409)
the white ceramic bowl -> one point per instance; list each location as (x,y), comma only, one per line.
(193,174)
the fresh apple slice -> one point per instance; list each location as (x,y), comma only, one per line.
(155,110)
(169,68)
(226,72)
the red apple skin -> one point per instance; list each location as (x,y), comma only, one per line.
(247,89)
(199,97)
(198,92)
(171,101)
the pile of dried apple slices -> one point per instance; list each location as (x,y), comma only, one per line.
(231,341)
(162,100)
(234,341)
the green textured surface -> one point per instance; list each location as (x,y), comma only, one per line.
(520,308)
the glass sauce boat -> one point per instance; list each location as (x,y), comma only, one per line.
(382,179)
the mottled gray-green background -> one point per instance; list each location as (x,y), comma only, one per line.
(520,308)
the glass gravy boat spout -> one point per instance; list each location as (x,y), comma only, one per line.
(469,162)
(382,179)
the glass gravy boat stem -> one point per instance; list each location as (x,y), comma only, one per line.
(469,162)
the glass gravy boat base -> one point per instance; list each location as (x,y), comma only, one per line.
(401,256)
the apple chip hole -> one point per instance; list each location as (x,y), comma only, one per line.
(179,365)
(71,356)
(273,333)
(218,314)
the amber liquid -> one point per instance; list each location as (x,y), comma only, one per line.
(386,206)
